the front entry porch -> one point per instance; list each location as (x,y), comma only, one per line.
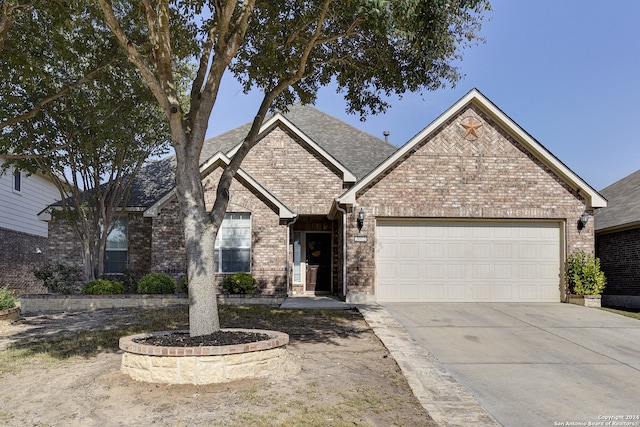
(314,249)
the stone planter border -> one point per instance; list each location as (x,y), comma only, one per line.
(47,303)
(586,300)
(9,315)
(203,364)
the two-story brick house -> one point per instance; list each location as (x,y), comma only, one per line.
(470,209)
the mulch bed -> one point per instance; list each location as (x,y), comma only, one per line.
(183,339)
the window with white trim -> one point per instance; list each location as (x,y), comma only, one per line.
(115,254)
(233,244)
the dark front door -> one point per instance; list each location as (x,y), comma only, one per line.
(318,251)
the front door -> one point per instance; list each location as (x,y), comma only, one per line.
(318,252)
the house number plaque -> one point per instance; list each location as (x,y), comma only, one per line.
(360,238)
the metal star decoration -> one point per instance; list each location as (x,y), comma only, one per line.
(471,128)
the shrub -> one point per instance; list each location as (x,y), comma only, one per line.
(127,280)
(103,287)
(584,274)
(8,299)
(183,285)
(240,283)
(156,283)
(58,278)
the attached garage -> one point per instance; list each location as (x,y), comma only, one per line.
(468,261)
(472,208)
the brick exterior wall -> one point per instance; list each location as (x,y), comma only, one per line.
(302,181)
(64,246)
(168,253)
(491,176)
(619,255)
(18,259)
(139,250)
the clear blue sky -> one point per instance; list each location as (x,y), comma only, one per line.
(567,71)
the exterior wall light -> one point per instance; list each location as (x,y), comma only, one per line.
(582,222)
(360,219)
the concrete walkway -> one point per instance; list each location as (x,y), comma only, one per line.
(448,403)
(315,303)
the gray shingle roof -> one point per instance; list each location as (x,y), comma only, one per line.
(154,180)
(358,151)
(623,204)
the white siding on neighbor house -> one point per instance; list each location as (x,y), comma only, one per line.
(19,210)
(468,261)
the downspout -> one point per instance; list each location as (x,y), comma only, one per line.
(287,259)
(344,248)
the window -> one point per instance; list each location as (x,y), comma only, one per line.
(115,254)
(17,181)
(233,244)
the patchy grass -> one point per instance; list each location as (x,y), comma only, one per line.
(628,312)
(86,343)
(341,374)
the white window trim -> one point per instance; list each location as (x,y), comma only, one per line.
(119,249)
(218,252)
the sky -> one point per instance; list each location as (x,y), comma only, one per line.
(566,71)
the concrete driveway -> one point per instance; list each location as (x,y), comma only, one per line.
(535,364)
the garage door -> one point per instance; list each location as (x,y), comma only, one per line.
(467,261)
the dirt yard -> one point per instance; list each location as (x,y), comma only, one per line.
(340,375)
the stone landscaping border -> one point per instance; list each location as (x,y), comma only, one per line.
(593,301)
(9,315)
(46,303)
(203,364)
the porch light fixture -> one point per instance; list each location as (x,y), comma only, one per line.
(582,222)
(360,219)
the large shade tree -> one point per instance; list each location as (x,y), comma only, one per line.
(287,49)
(90,141)
(45,54)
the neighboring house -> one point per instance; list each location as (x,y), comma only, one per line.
(470,209)
(23,237)
(618,236)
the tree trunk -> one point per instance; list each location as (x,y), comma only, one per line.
(88,267)
(203,306)
(200,235)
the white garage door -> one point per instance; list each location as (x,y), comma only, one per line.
(467,261)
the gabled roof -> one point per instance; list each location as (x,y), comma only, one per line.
(351,151)
(220,160)
(357,151)
(592,197)
(279,119)
(623,210)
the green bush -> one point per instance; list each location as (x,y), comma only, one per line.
(127,280)
(8,299)
(584,274)
(103,287)
(156,283)
(183,285)
(240,283)
(59,278)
